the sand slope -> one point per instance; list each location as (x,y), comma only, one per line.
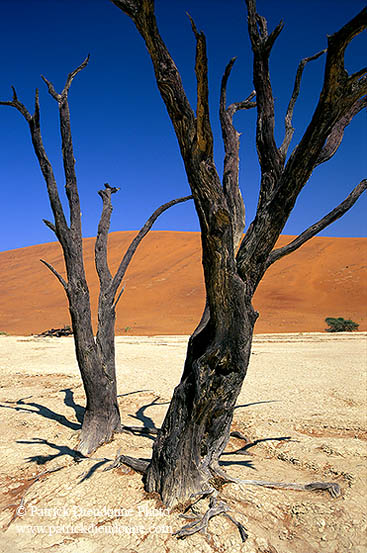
(164,286)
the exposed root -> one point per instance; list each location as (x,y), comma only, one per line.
(200,523)
(332,487)
(242,530)
(215,508)
(139,465)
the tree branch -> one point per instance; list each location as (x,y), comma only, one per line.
(231,141)
(314,229)
(116,281)
(57,275)
(337,98)
(100,248)
(262,43)
(167,76)
(118,297)
(18,105)
(203,128)
(68,153)
(289,130)
(71,76)
(338,95)
(335,138)
(50,225)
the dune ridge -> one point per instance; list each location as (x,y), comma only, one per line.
(164,292)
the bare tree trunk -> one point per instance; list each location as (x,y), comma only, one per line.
(96,357)
(196,428)
(97,368)
(197,425)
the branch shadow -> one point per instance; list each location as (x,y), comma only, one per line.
(61,451)
(148,422)
(93,469)
(43,411)
(256,403)
(242,450)
(132,393)
(246,464)
(69,402)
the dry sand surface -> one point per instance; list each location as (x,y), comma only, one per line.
(164,291)
(302,411)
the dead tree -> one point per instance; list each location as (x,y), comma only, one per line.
(95,356)
(197,424)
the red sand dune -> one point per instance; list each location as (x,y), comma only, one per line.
(164,286)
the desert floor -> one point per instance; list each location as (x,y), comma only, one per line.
(302,410)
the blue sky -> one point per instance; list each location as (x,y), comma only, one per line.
(121,132)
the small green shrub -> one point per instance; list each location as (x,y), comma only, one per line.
(338,324)
(2,333)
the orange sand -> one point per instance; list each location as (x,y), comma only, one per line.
(164,291)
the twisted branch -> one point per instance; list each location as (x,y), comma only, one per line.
(335,138)
(68,153)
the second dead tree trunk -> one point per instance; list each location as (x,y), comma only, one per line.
(197,425)
(95,356)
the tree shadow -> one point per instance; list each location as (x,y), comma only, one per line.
(148,422)
(69,402)
(61,451)
(256,403)
(45,412)
(246,464)
(245,448)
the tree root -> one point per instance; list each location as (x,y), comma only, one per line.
(139,465)
(200,523)
(332,487)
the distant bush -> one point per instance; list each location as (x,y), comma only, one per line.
(338,324)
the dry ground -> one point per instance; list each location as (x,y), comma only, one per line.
(302,410)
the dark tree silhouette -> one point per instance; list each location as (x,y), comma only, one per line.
(197,424)
(95,356)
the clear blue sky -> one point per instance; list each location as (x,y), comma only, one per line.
(121,131)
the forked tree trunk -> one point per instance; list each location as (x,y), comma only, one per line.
(197,425)
(96,361)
